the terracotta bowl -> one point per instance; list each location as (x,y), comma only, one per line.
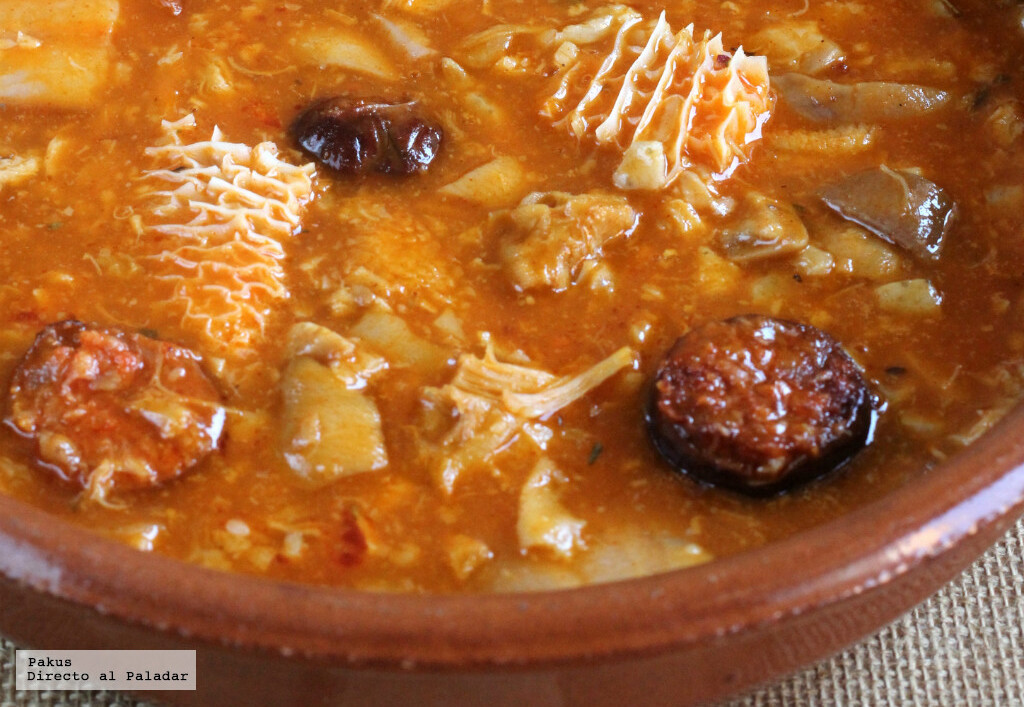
(678,638)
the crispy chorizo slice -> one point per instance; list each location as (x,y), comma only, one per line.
(110,409)
(758,404)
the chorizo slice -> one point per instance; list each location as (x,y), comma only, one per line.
(758,404)
(110,409)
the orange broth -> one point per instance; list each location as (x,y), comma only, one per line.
(75,245)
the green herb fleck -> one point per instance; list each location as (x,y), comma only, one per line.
(595,452)
(54,226)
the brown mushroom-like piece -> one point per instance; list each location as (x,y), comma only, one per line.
(359,136)
(900,207)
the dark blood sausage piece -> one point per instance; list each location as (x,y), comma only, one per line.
(359,136)
(114,410)
(758,404)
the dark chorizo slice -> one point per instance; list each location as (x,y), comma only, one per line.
(358,136)
(758,404)
(110,409)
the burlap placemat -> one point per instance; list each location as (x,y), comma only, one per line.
(965,646)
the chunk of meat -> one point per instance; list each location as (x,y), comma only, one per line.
(758,404)
(331,426)
(114,410)
(900,207)
(89,19)
(797,45)
(407,36)
(63,57)
(495,183)
(545,240)
(330,430)
(544,522)
(764,228)
(358,136)
(346,49)
(15,170)
(867,101)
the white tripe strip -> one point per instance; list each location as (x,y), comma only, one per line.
(489,377)
(700,102)
(612,127)
(494,400)
(532,393)
(563,391)
(602,79)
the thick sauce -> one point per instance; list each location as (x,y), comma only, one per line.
(415,273)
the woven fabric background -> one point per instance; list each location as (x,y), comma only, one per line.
(963,647)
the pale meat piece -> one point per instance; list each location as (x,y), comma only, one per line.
(544,523)
(89,19)
(408,37)
(344,49)
(391,335)
(331,424)
(763,228)
(532,393)
(493,184)
(15,170)
(797,46)
(55,54)
(546,239)
(57,76)
(329,430)
(613,555)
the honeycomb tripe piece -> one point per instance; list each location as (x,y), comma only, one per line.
(668,100)
(217,218)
